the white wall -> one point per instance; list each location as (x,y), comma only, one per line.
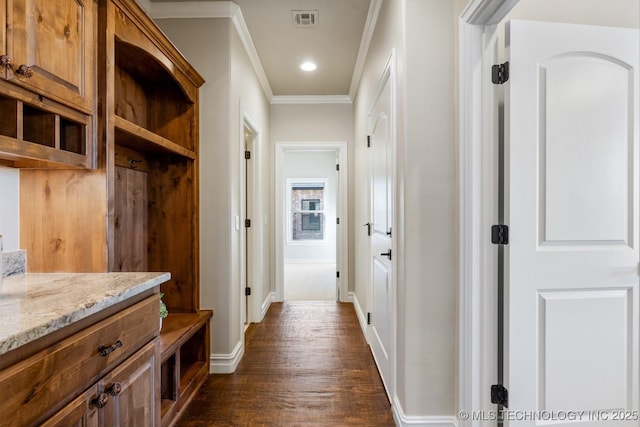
(316,165)
(422,34)
(231,91)
(10,208)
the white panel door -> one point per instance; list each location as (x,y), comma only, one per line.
(571,175)
(380,331)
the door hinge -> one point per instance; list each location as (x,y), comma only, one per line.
(368,141)
(338,221)
(500,73)
(368,225)
(500,395)
(247,154)
(247,291)
(337,166)
(500,234)
(338,274)
(247,223)
(368,318)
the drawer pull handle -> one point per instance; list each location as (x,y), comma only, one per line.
(100,401)
(104,350)
(25,71)
(115,389)
(6,61)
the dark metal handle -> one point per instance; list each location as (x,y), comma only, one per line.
(25,71)
(105,350)
(100,401)
(387,254)
(115,389)
(6,61)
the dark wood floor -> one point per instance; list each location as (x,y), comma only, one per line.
(306,364)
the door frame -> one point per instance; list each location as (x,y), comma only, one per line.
(342,262)
(256,266)
(478,205)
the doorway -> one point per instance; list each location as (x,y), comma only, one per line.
(549,230)
(311,221)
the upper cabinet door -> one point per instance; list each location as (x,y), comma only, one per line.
(52,45)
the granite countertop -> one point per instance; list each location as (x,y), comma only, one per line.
(34,305)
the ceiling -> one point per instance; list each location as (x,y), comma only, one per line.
(281,47)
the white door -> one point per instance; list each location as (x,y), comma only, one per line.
(571,173)
(380,331)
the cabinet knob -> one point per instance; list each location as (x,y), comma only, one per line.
(6,61)
(100,401)
(115,389)
(25,71)
(104,350)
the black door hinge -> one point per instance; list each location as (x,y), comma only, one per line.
(338,274)
(247,154)
(368,141)
(247,291)
(500,234)
(500,395)
(247,223)
(337,166)
(368,318)
(500,73)
(338,221)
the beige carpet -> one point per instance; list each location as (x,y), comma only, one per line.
(309,282)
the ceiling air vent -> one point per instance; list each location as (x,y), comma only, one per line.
(305,18)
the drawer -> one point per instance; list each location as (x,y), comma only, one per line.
(43,383)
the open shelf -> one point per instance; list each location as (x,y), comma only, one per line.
(184,344)
(131,135)
(43,134)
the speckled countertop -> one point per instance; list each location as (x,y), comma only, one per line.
(34,305)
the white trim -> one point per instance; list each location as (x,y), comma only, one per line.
(267,303)
(226,363)
(478,191)
(311,99)
(402,419)
(365,42)
(215,9)
(342,261)
(362,319)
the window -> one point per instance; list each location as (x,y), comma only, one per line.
(307,210)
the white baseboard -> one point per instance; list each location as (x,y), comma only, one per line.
(266,304)
(426,421)
(226,363)
(361,316)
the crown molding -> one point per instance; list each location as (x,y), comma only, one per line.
(311,99)
(215,9)
(365,42)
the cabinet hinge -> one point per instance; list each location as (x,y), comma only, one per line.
(500,395)
(500,73)
(500,234)
(247,223)
(368,141)
(338,274)
(368,318)
(247,154)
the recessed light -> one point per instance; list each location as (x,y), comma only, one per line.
(308,66)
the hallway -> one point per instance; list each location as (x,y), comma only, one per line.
(306,364)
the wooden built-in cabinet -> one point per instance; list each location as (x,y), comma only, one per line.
(134,206)
(104,375)
(47,83)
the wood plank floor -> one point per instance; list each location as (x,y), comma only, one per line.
(306,364)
